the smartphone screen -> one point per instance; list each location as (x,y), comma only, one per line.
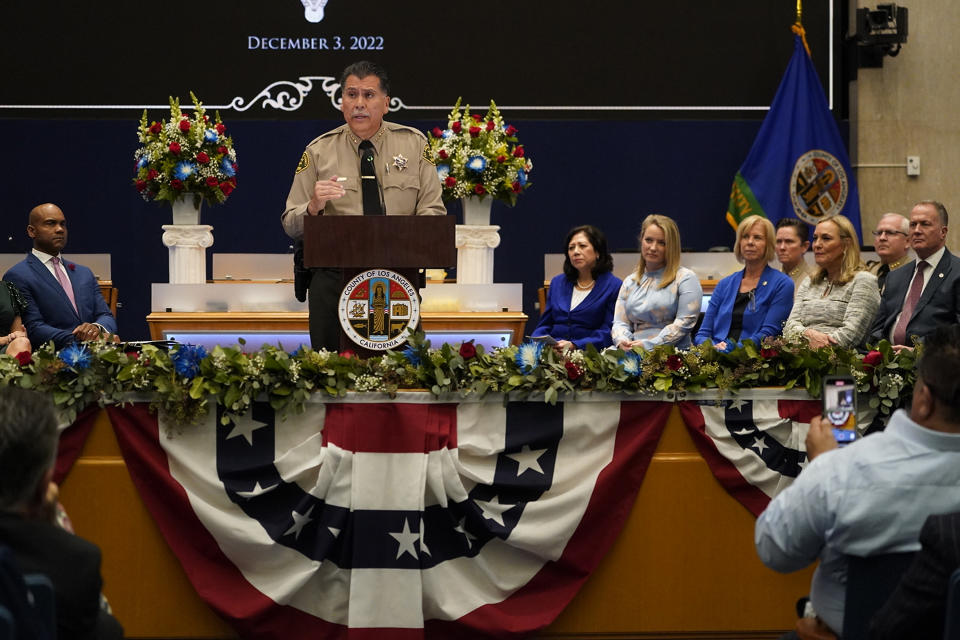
(840,407)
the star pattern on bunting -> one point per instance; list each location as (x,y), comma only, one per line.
(738,404)
(462,528)
(527,458)
(245,426)
(759,445)
(406,539)
(299,522)
(257,490)
(493,510)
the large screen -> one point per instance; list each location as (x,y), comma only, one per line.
(281,58)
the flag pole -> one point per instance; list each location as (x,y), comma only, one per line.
(798,29)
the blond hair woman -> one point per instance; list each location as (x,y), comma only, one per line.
(660,302)
(837,302)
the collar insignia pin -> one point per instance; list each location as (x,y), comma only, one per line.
(400,162)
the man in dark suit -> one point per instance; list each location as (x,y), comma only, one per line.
(28,443)
(924,293)
(917,608)
(64,300)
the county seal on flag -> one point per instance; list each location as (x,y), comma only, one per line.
(376,308)
(819,186)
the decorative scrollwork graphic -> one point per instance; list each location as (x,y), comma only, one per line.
(288,95)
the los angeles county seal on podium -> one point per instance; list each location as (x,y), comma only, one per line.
(376,308)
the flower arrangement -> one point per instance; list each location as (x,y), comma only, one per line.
(185,156)
(478,156)
(186,379)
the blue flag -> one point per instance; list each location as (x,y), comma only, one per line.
(798,165)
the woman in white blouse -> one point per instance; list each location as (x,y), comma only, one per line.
(836,303)
(659,302)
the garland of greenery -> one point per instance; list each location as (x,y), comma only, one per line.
(185,378)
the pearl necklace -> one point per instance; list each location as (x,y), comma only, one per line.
(585,287)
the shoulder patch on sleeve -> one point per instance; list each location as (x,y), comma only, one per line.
(426,154)
(304,162)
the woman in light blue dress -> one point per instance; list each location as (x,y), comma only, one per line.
(659,303)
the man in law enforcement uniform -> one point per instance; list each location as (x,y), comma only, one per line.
(892,244)
(365,167)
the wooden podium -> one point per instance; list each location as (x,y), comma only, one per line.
(355,244)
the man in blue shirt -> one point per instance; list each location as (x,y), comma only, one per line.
(872,496)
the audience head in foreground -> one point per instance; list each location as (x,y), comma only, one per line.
(870,497)
(580,302)
(659,303)
(28,503)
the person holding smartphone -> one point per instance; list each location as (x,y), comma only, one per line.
(872,496)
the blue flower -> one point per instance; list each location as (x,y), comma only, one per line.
(210,136)
(186,360)
(477,163)
(522,177)
(228,167)
(184,170)
(76,356)
(412,355)
(443,170)
(631,364)
(143,162)
(301,348)
(528,356)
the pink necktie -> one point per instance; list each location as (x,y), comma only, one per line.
(64,281)
(916,288)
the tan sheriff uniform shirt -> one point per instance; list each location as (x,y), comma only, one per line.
(410,183)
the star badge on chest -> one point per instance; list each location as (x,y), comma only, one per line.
(400,162)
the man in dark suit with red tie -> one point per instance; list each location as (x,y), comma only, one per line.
(64,303)
(925,293)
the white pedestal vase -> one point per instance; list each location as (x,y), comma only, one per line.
(187,241)
(476,239)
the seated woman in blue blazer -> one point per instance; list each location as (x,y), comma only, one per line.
(753,303)
(580,302)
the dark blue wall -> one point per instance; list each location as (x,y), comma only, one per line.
(606,173)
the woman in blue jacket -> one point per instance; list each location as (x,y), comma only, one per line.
(580,302)
(753,303)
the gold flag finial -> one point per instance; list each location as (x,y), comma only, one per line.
(798,29)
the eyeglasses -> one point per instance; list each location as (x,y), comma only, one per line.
(884,232)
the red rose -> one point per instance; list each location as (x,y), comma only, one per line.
(518,152)
(479,190)
(206,118)
(220,128)
(437,132)
(24,358)
(156,127)
(467,350)
(184,125)
(212,181)
(450,181)
(226,187)
(490,125)
(456,127)
(517,187)
(443,154)
(175,148)
(477,117)
(176,184)
(203,158)
(222,150)
(674,362)
(346,353)
(511,130)
(474,132)
(152,173)
(141,185)
(573,371)
(233,180)
(872,359)
(769,352)
(133,355)
(501,159)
